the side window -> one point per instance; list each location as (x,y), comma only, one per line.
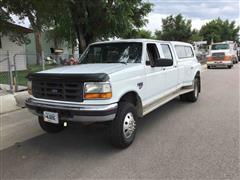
(184,52)
(166,51)
(180,52)
(189,52)
(152,52)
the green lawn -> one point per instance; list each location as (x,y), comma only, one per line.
(21,75)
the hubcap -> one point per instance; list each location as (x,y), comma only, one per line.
(129,125)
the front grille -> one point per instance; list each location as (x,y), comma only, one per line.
(58,90)
(218,55)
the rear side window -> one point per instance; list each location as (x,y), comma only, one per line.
(166,51)
(184,51)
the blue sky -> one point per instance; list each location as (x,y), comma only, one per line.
(200,11)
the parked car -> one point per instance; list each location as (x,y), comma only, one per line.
(223,54)
(117,82)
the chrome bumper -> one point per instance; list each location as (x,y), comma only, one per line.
(219,63)
(72,111)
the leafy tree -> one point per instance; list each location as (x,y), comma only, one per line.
(37,11)
(218,30)
(196,36)
(158,34)
(175,28)
(141,33)
(61,27)
(96,19)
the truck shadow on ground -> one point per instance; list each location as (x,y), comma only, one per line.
(89,139)
(78,145)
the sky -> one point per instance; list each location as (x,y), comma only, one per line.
(199,11)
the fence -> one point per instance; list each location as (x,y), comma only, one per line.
(16,66)
(6,77)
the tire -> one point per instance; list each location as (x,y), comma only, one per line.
(49,127)
(193,95)
(230,66)
(208,67)
(123,127)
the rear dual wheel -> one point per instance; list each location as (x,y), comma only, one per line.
(193,95)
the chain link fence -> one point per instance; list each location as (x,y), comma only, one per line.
(15,66)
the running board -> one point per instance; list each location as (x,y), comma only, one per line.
(147,109)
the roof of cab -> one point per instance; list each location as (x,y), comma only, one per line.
(129,40)
(142,40)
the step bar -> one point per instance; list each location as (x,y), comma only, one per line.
(152,106)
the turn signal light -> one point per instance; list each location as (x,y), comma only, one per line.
(98,95)
(227,58)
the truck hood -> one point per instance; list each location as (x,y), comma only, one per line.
(88,69)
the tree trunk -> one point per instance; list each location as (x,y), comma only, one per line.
(81,40)
(38,44)
(73,48)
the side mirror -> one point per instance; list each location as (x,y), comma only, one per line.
(163,62)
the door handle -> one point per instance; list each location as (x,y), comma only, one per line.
(175,66)
(163,69)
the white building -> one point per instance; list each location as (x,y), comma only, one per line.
(7,46)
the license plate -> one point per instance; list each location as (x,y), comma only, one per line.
(51,117)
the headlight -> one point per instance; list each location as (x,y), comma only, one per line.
(97,90)
(29,85)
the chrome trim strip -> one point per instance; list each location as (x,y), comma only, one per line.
(74,106)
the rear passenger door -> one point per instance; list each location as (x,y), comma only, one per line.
(186,58)
(171,72)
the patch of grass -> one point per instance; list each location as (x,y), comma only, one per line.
(21,75)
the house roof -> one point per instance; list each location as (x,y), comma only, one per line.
(20,28)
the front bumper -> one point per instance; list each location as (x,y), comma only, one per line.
(219,63)
(72,111)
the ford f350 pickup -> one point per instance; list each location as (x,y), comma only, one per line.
(116,82)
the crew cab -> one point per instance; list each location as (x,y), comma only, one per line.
(222,54)
(116,82)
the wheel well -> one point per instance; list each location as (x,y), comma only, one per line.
(133,97)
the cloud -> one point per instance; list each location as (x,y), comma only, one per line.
(203,9)
(199,11)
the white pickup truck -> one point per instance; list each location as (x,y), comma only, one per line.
(116,82)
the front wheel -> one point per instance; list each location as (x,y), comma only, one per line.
(49,127)
(123,127)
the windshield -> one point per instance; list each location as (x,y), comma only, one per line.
(113,53)
(220,46)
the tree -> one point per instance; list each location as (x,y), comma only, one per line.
(218,30)
(96,19)
(140,33)
(175,28)
(37,11)
(196,36)
(61,28)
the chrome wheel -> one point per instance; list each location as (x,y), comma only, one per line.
(128,125)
